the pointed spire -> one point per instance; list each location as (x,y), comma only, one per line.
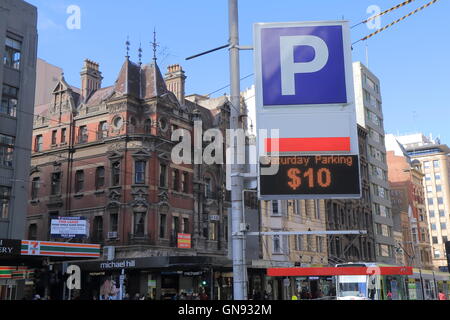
(155,45)
(140,54)
(127,44)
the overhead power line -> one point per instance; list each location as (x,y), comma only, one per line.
(384,12)
(396,21)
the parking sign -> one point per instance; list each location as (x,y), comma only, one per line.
(304,90)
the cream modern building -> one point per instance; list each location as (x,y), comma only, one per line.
(18,49)
(369,113)
(434,157)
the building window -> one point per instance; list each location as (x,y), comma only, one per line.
(275,208)
(139,172)
(63,135)
(437,254)
(10,97)
(319,244)
(83,134)
(115,174)
(440,200)
(426,165)
(441,213)
(443,226)
(276,240)
(148,126)
(102,130)
(437,176)
(162,226)
(433,226)
(99,178)
(186,225)
(163,175)
(299,243)
(429,189)
(430,201)
(139,224)
(185,182)
(213,231)
(208,188)
(6,150)
(5,198)
(436,163)
(79,181)
(38,143)
(98,228)
(431,213)
(438,188)
(309,243)
(32,232)
(114,220)
(56,184)
(435,240)
(176,180)
(54,133)
(35,185)
(12,53)
(444,239)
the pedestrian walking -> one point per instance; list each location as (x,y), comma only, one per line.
(442,295)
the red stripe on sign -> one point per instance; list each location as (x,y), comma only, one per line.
(308,144)
(340,271)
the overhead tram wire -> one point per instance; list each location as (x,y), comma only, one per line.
(383,13)
(396,21)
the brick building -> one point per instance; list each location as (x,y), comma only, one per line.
(104,153)
(408,205)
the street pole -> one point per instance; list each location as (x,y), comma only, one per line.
(237,182)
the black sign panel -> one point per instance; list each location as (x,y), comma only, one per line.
(10,247)
(303,177)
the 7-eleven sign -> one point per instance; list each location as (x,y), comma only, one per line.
(34,248)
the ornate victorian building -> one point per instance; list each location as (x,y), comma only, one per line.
(104,153)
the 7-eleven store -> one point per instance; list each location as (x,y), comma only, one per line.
(17,273)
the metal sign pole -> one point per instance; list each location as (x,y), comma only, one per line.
(237,181)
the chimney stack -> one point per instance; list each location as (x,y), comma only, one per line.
(91,79)
(175,81)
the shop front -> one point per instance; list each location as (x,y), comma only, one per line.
(156,278)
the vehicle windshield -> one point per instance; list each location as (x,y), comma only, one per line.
(352,286)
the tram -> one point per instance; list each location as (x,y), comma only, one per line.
(374,281)
(420,285)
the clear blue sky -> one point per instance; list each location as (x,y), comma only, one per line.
(411,58)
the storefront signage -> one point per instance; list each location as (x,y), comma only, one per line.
(118,264)
(60,249)
(9,247)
